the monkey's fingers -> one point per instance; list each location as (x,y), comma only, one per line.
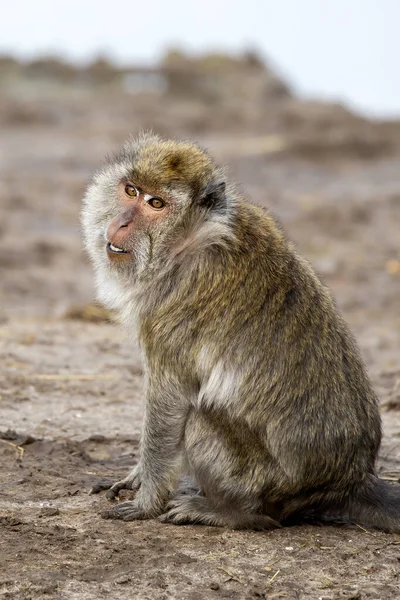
(101,485)
(114,491)
(126,511)
(128,483)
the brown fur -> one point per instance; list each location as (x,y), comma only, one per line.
(254,383)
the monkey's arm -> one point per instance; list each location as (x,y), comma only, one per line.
(160,457)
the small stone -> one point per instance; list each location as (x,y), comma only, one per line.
(28,439)
(49,511)
(123,579)
(214,586)
(10,434)
(97,437)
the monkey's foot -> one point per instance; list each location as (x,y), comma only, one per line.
(185,509)
(126,511)
(131,482)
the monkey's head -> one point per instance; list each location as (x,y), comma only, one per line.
(155,201)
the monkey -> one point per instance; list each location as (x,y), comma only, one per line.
(255,387)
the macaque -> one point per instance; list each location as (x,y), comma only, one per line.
(254,385)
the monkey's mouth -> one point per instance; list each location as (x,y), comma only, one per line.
(111,249)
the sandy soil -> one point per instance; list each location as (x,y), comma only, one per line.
(71,387)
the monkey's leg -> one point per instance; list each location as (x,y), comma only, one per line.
(160,456)
(231,469)
(184,509)
(188,487)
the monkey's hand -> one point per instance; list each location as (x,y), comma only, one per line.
(142,507)
(130,482)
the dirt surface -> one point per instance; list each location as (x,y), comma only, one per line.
(71,383)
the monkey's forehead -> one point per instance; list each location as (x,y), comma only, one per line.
(156,165)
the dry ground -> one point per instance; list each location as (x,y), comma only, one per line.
(71,388)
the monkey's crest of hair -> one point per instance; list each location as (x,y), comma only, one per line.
(160,164)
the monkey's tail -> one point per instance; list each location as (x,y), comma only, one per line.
(376,505)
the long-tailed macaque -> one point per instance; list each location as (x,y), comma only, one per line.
(255,386)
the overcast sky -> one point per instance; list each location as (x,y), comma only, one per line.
(340,49)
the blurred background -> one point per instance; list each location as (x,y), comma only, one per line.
(301,102)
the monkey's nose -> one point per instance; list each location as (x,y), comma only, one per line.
(119,225)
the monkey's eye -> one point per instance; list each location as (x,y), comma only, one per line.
(156,203)
(131,191)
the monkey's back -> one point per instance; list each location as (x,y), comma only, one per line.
(268,343)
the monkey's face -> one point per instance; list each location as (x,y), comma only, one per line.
(140,213)
(146,203)
(125,223)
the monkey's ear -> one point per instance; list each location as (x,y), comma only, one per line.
(214,196)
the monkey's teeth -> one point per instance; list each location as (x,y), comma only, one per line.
(115,249)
